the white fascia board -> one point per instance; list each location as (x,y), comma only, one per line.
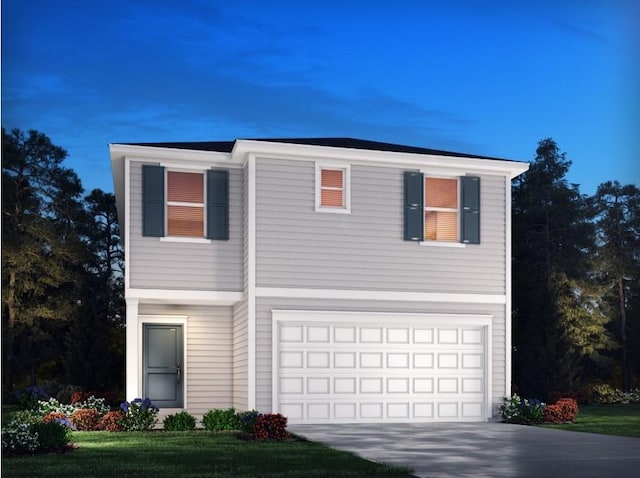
(305,152)
(169,154)
(377,295)
(195,297)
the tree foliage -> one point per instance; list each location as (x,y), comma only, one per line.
(558,321)
(61,257)
(617,262)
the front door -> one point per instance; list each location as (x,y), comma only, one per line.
(163,365)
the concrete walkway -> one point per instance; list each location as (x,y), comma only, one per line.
(484,449)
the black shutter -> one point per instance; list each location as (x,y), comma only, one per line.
(152,200)
(470,209)
(218,204)
(413,206)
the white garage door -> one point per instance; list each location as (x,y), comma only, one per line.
(352,367)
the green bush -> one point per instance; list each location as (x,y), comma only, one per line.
(95,403)
(221,419)
(139,415)
(52,436)
(28,397)
(54,406)
(524,411)
(27,416)
(248,420)
(180,422)
(604,393)
(18,438)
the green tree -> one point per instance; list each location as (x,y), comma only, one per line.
(94,352)
(41,249)
(555,322)
(618,264)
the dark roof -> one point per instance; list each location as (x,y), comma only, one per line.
(352,143)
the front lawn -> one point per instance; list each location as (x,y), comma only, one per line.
(621,420)
(161,454)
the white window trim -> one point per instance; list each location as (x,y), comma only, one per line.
(203,205)
(346,187)
(457,210)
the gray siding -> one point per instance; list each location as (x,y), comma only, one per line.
(299,247)
(154,264)
(209,372)
(240,356)
(264,338)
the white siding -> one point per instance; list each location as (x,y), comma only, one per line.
(209,372)
(240,356)
(299,247)
(264,337)
(154,264)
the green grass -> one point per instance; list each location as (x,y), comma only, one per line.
(162,454)
(621,420)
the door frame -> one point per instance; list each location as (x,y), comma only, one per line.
(164,320)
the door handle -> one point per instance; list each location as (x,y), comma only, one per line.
(178,373)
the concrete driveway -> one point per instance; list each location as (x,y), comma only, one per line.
(483,449)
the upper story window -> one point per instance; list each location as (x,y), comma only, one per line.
(440,210)
(185,204)
(333,188)
(195,204)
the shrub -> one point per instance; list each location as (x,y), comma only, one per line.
(221,419)
(564,410)
(112,422)
(140,415)
(248,420)
(65,393)
(95,403)
(19,438)
(180,422)
(53,405)
(552,414)
(85,419)
(53,416)
(605,394)
(28,397)
(52,436)
(271,426)
(523,411)
(27,416)
(80,396)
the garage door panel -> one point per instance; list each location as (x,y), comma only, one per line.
(356,372)
(318,334)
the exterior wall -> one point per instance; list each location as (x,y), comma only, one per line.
(299,247)
(240,356)
(154,264)
(264,336)
(209,354)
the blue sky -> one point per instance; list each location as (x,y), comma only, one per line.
(484,77)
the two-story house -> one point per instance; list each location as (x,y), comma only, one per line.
(328,279)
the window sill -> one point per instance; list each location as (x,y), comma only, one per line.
(189,240)
(442,244)
(336,210)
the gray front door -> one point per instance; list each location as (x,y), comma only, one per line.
(163,365)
